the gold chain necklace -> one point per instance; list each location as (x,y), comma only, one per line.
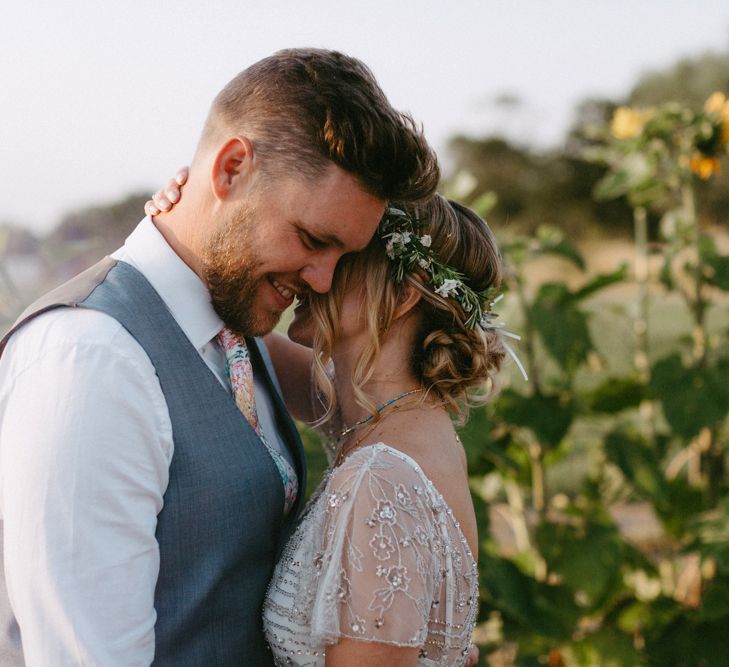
(344,451)
(348,429)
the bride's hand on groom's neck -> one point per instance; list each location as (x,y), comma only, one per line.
(164,199)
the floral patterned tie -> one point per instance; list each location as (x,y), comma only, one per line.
(240,373)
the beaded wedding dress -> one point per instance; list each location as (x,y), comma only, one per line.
(378,556)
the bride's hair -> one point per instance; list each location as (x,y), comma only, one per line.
(456,364)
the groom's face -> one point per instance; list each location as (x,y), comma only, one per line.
(284,240)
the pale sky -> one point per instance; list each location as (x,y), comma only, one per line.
(101,98)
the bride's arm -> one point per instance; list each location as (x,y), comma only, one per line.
(351,652)
(292,363)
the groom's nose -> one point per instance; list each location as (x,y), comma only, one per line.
(319,272)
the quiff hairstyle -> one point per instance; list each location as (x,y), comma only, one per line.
(306,108)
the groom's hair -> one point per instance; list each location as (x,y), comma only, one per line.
(307,108)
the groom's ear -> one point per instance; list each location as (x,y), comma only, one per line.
(232,170)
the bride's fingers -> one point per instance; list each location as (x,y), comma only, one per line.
(164,199)
(161,201)
(172,192)
(181,175)
(150,208)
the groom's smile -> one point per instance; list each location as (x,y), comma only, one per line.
(286,239)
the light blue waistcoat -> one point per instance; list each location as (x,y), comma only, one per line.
(222,524)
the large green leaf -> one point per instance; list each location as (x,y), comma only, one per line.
(639,463)
(484,453)
(545,610)
(692,397)
(616,394)
(607,648)
(640,617)
(688,642)
(548,416)
(561,325)
(715,601)
(587,557)
(712,536)
(613,184)
(684,502)
(601,281)
(552,242)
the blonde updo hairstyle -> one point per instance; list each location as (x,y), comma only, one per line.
(455,364)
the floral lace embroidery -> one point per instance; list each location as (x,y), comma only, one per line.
(378,556)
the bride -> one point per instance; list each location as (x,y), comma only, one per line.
(382,567)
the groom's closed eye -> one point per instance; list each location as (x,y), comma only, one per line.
(312,242)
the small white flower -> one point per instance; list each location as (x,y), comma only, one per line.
(406,238)
(424,263)
(448,288)
(390,249)
(426,240)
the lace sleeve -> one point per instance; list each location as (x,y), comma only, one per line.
(381,553)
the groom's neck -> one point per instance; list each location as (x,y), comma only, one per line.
(184,228)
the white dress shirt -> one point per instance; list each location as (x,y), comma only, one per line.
(85,448)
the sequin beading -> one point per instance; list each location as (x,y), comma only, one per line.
(378,556)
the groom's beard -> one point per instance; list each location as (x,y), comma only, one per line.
(230,271)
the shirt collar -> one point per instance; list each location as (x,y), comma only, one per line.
(178,285)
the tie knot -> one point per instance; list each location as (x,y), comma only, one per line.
(232,344)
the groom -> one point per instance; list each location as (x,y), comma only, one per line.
(142,508)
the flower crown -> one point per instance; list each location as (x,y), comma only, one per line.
(410,252)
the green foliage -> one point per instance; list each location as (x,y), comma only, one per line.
(316,461)
(582,586)
(607,648)
(617,394)
(545,610)
(688,641)
(639,463)
(693,397)
(561,325)
(717,265)
(548,416)
(587,556)
(711,531)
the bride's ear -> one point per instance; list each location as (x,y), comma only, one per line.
(411,297)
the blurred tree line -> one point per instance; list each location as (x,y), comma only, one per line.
(555,187)
(31,264)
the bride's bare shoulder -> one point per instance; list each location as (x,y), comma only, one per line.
(428,437)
